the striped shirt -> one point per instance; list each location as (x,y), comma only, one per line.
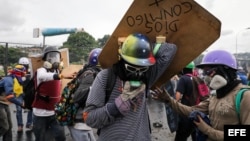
(135,125)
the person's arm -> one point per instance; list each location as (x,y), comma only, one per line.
(95,113)
(209,131)
(178,96)
(9,93)
(3,98)
(164,56)
(180,89)
(43,75)
(163,96)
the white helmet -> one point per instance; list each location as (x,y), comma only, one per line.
(24,61)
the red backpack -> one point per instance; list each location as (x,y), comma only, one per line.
(200,89)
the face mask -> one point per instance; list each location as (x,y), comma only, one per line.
(135,73)
(218,82)
(48,65)
(207,79)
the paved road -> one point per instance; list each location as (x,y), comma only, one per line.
(27,135)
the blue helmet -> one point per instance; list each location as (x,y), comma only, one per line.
(93,56)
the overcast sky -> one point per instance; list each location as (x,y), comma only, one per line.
(100,17)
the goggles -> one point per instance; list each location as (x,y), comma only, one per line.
(134,69)
(208,71)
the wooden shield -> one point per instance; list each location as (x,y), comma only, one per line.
(71,69)
(183,22)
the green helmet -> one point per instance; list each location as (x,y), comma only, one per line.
(191,65)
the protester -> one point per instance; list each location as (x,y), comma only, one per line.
(19,116)
(242,76)
(125,115)
(221,67)
(80,131)
(184,94)
(174,81)
(48,94)
(7,96)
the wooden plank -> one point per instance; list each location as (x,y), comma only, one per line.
(183,22)
(68,71)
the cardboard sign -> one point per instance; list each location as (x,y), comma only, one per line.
(68,71)
(183,22)
(37,62)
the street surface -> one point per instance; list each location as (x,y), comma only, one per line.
(27,135)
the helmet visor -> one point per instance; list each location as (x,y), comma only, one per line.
(53,57)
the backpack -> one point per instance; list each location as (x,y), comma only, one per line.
(238,100)
(200,89)
(67,108)
(30,91)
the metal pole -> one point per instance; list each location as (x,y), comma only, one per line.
(43,42)
(6,62)
(236,47)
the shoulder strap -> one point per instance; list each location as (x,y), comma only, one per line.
(238,100)
(110,83)
(188,74)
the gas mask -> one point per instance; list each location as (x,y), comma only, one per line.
(217,82)
(215,77)
(135,73)
(52,60)
(207,79)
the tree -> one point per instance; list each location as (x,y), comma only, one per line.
(79,45)
(102,41)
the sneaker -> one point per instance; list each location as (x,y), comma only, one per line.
(29,127)
(20,129)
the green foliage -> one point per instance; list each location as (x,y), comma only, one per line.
(102,41)
(79,45)
(2,73)
(13,55)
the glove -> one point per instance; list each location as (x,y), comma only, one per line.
(123,101)
(130,92)
(161,95)
(202,125)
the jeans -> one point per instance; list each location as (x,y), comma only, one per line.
(5,122)
(42,124)
(19,115)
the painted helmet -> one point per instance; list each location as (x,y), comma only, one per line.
(219,57)
(93,56)
(137,50)
(23,61)
(49,49)
(190,65)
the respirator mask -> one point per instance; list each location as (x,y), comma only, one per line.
(135,73)
(214,80)
(52,60)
